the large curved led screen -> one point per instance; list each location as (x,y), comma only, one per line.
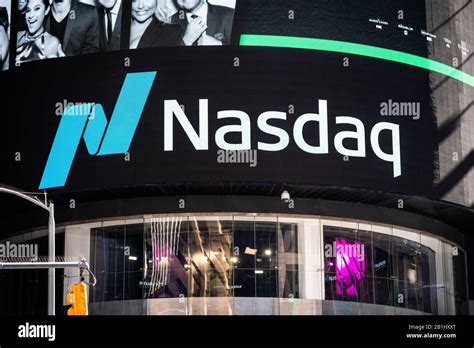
(363,94)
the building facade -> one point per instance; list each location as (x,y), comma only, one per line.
(320,163)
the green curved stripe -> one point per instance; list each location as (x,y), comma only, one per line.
(358,49)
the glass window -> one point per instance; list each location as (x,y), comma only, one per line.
(288,260)
(244,284)
(266,283)
(266,257)
(365,258)
(460,284)
(117,262)
(346,266)
(108,262)
(244,244)
(244,258)
(383,269)
(427,263)
(247,256)
(266,245)
(216,236)
(167,261)
(407,271)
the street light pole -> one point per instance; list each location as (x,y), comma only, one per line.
(51,239)
(52,257)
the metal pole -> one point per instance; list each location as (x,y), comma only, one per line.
(51,239)
(52,258)
(38,265)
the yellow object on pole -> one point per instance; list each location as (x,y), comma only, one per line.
(78,298)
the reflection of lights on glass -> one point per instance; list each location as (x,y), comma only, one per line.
(224,258)
(250,251)
(234,259)
(204,258)
(132,258)
(164,259)
(186,266)
(258,271)
(350,269)
(412,276)
(268,252)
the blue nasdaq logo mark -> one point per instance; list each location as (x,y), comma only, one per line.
(100,138)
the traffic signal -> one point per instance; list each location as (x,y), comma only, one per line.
(78,298)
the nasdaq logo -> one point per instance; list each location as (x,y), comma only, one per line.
(88,122)
(101,137)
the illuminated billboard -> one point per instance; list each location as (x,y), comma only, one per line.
(358,94)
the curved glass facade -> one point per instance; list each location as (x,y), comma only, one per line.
(243,264)
(248,264)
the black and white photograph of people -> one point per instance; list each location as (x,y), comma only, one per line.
(35,42)
(56,28)
(200,22)
(158,23)
(76,25)
(110,24)
(4,34)
(147,31)
(204,23)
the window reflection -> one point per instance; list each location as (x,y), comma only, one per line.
(210,247)
(166,246)
(288,260)
(460,284)
(406,270)
(259,257)
(372,267)
(347,267)
(383,269)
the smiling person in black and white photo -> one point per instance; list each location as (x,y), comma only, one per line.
(4,41)
(147,31)
(35,42)
(110,24)
(76,25)
(204,24)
